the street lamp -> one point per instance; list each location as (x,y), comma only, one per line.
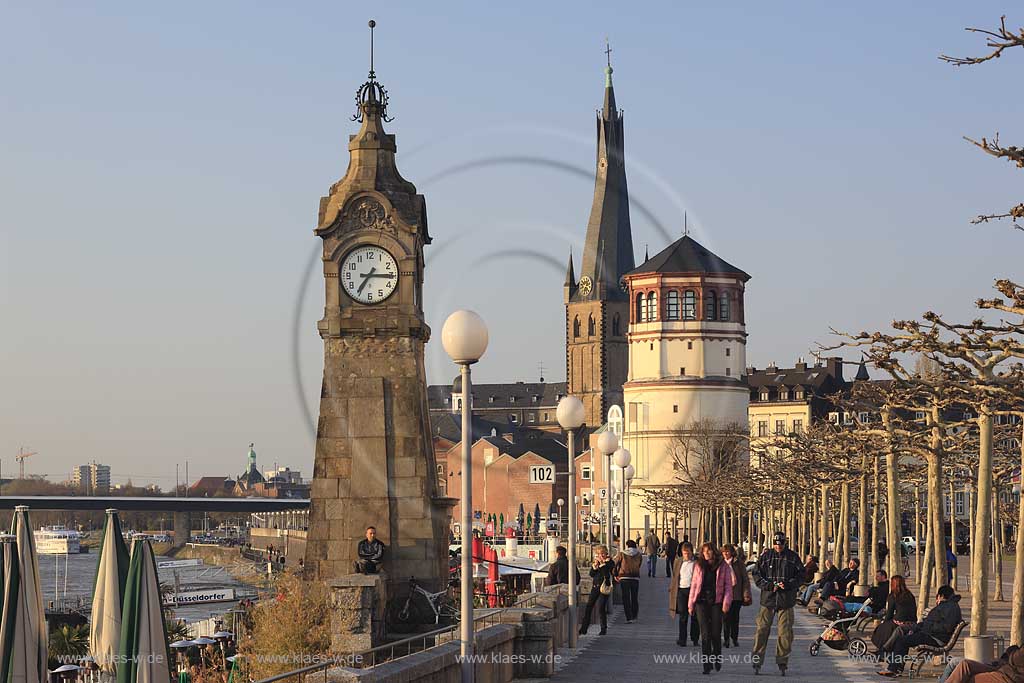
(607,443)
(622,458)
(560,502)
(464,337)
(628,475)
(570,414)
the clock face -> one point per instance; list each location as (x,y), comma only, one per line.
(369,274)
(586,285)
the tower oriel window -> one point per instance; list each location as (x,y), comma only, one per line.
(723,306)
(672,305)
(652,306)
(639,314)
(689,305)
(710,306)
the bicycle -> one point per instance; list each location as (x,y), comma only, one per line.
(422,606)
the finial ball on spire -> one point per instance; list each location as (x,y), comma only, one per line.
(372,23)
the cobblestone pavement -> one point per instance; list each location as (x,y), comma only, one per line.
(646,651)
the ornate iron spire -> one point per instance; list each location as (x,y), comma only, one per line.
(371,97)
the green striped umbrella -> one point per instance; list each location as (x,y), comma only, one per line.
(142,655)
(23,641)
(108,595)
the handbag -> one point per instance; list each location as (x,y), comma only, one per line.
(606,588)
(884,634)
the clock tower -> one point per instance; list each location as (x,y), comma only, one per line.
(596,305)
(374,462)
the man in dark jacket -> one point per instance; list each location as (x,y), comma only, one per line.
(847,578)
(936,629)
(559,570)
(371,553)
(671,550)
(778,573)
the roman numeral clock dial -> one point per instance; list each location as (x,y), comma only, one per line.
(369,274)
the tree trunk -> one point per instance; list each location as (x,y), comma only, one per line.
(862,508)
(935,498)
(893,518)
(997,546)
(917,532)
(868,577)
(983,522)
(925,591)
(823,538)
(952,530)
(1017,609)
(843,540)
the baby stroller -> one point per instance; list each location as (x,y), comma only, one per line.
(836,634)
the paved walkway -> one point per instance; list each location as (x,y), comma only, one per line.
(646,651)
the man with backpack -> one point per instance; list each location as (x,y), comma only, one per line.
(778,573)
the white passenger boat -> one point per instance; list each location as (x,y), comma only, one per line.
(57,540)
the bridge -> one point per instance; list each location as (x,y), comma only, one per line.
(181,507)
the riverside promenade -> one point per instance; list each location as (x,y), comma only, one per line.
(646,651)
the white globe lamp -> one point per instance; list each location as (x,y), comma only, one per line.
(464,337)
(570,413)
(622,458)
(607,442)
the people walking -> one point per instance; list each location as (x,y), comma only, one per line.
(778,575)
(602,572)
(627,570)
(740,595)
(671,550)
(710,600)
(651,547)
(679,594)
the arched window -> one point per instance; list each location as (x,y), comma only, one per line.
(672,305)
(576,327)
(639,313)
(723,306)
(591,327)
(616,326)
(710,306)
(652,306)
(689,305)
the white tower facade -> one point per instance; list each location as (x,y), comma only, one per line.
(687,354)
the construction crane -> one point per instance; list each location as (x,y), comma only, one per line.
(20,457)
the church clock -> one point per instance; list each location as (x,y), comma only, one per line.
(369,274)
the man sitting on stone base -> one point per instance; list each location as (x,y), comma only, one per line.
(371,553)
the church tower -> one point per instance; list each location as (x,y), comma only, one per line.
(596,307)
(374,462)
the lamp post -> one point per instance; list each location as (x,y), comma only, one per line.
(464,337)
(628,475)
(622,458)
(561,502)
(570,414)
(607,443)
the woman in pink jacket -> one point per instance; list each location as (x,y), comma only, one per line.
(710,599)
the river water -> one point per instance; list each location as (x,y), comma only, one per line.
(80,579)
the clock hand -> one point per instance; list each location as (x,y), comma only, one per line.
(386,276)
(366,278)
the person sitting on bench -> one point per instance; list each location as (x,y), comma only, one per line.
(879,593)
(844,583)
(829,575)
(936,629)
(371,553)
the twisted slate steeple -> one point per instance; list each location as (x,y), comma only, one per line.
(608,251)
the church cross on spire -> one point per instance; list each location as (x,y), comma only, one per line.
(608,51)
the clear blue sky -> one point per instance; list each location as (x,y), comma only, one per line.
(161,166)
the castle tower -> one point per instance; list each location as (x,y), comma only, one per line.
(596,307)
(687,355)
(374,463)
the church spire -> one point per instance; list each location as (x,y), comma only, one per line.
(570,274)
(609,238)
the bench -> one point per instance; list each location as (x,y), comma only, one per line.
(923,652)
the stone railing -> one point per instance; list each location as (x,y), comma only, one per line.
(513,642)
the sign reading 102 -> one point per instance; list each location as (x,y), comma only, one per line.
(369,274)
(542,474)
